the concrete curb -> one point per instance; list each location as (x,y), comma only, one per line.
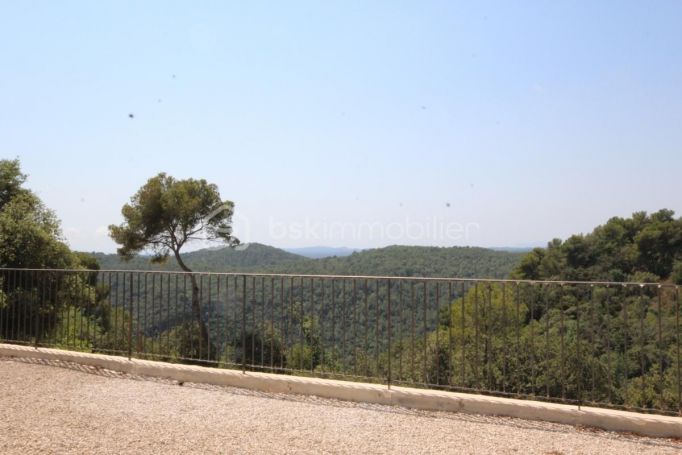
(433,400)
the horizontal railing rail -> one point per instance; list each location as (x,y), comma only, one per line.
(607,344)
(372,277)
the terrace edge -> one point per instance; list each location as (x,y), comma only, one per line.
(431,400)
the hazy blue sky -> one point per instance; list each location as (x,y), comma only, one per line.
(531,120)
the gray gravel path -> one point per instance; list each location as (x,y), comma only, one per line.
(78,409)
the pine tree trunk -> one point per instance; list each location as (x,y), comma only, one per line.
(205,338)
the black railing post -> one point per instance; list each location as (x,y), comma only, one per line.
(660,349)
(130,320)
(5,289)
(35,281)
(244,324)
(389,332)
(578,353)
(677,342)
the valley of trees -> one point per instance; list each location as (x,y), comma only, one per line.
(616,344)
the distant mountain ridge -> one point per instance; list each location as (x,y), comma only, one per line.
(515,249)
(464,262)
(317,252)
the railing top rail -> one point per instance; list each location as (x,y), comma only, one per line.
(366,277)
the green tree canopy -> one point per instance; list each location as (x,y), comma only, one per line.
(11,180)
(30,234)
(640,248)
(165,214)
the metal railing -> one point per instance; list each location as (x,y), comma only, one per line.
(586,343)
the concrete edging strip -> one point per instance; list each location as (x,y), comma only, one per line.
(432,400)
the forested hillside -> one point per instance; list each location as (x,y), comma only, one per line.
(641,248)
(466,262)
(208,260)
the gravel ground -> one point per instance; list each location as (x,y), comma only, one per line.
(79,409)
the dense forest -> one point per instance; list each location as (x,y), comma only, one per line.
(598,342)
